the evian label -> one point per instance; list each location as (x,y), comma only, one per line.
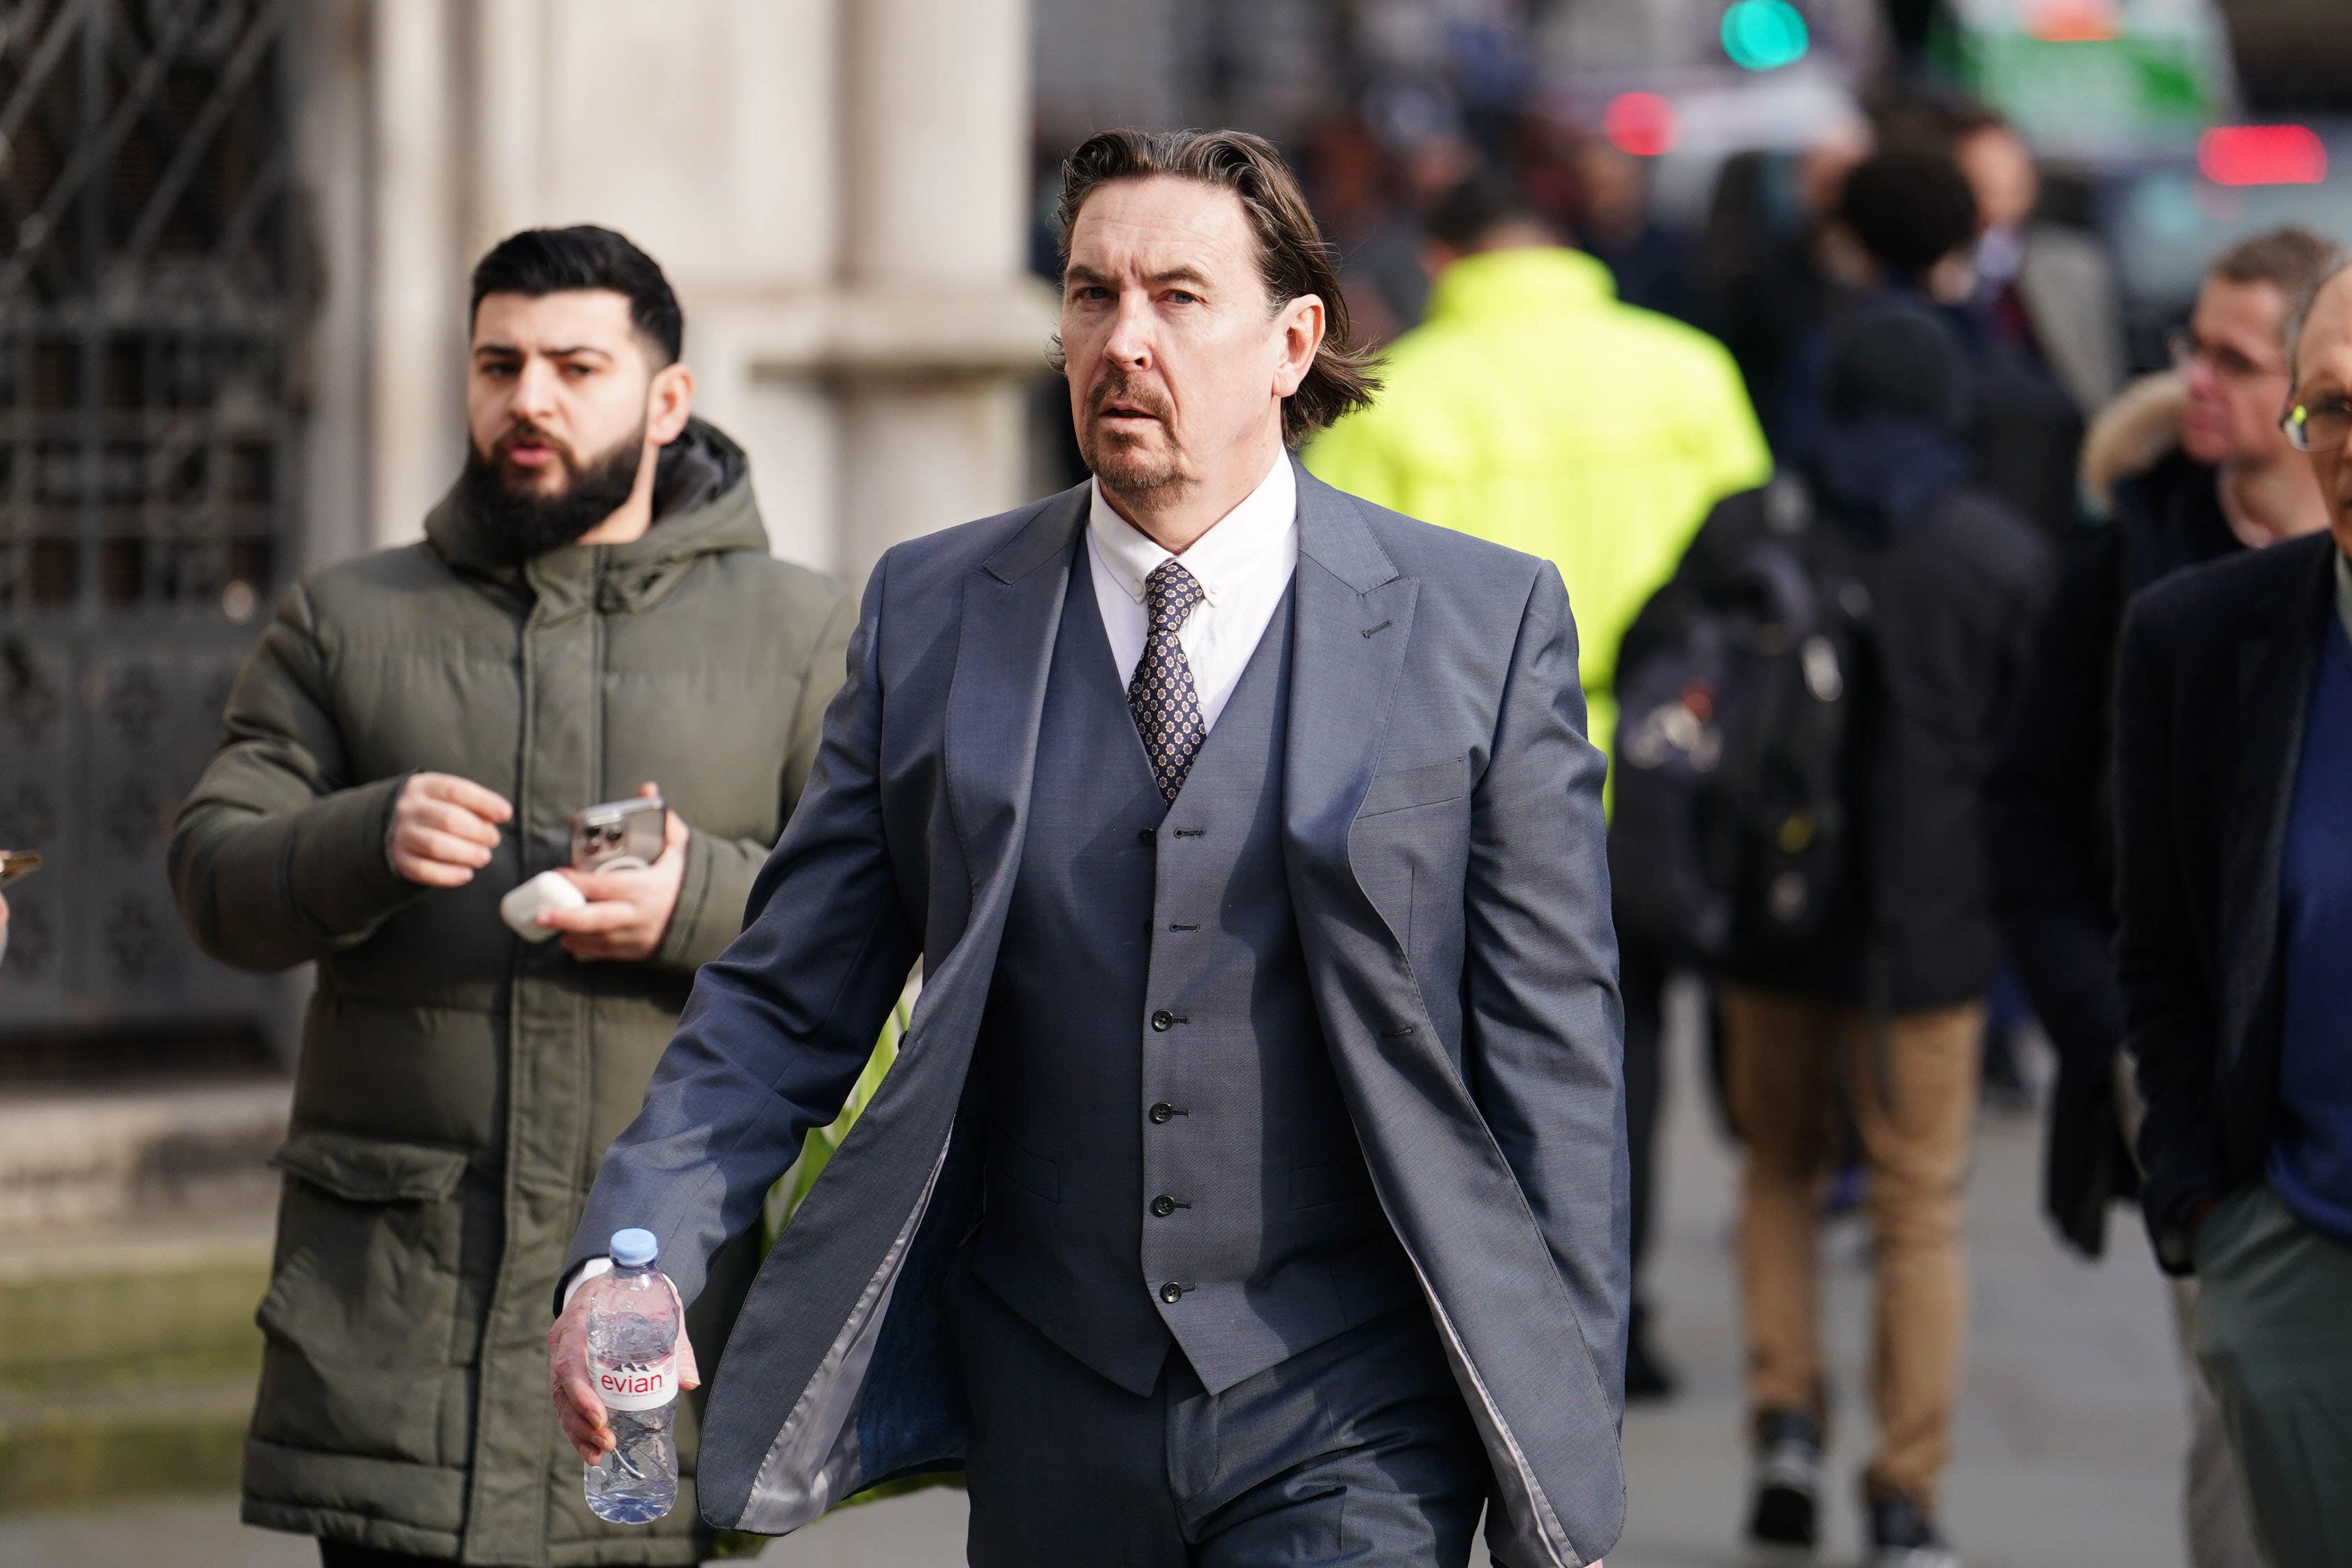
(638,1384)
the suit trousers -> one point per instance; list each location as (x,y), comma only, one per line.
(2270,1298)
(1357,1451)
(1788,1065)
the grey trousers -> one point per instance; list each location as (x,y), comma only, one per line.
(2213,1505)
(2272,1334)
(1357,1452)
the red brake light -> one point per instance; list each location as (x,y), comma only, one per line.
(2263,155)
(1640,124)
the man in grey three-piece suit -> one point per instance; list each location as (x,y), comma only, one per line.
(1250,1185)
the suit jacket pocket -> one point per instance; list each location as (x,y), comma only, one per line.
(1035,1175)
(1409,787)
(359,1321)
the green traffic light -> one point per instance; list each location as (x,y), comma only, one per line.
(1764,34)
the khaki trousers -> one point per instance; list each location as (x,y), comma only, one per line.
(1790,1064)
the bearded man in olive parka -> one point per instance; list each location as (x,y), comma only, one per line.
(592,610)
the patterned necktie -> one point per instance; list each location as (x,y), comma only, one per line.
(1167,709)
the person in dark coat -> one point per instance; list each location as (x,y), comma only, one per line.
(1883,1009)
(2192,467)
(2189,466)
(2233,738)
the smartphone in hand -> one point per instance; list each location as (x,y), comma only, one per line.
(619,834)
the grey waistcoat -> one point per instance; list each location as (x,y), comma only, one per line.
(1168,1151)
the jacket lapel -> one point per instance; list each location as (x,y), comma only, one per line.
(2275,670)
(1012,610)
(1354,622)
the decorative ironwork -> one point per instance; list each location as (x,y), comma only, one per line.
(147,296)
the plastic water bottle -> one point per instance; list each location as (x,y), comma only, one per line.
(633,1329)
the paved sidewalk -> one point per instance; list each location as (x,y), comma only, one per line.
(2068,1443)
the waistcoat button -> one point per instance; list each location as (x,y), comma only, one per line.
(1171,1292)
(1163,1206)
(1146,837)
(1163,1020)
(1163,1114)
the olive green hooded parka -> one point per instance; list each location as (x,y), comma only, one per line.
(456,1086)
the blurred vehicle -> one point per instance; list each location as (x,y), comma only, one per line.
(2164,216)
(2095,79)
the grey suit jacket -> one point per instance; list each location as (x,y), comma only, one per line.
(1442,840)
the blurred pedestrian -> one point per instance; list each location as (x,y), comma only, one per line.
(2188,466)
(2234,841)
(1283,1046)
(2048,287)
(1619,226)
(1914,218)
(1532,409)
(1872,1017)
(1776,265)
(592,606)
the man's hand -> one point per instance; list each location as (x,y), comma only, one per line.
(577,1408)
(444,830)
(627,912)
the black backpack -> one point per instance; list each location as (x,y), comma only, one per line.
(1731,838)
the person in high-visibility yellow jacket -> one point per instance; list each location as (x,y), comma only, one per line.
(1531,408)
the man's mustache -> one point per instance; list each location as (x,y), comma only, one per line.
(523,429)
(1131,394)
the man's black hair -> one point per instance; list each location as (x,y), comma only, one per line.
(1474,210)
(539,262)
(1910,209)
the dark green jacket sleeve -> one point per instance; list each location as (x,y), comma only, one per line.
(719,871)
(279,858)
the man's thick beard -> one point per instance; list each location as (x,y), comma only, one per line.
(528,525)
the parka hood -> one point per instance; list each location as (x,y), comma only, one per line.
(703,505)
(2132,435)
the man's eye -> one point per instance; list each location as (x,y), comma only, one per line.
(1182,297)
(578,373)
(1091,291)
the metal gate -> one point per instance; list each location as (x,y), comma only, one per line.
(147,290)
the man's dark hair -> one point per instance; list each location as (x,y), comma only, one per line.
(1914,118)
(1476,209)
(539,262)
(1293,258)
(1910,210)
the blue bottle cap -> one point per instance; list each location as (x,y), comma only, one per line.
(633,1249)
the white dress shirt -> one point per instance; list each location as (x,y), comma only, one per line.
(1243,564)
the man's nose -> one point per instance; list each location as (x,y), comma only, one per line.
(1130,342)
(534,390)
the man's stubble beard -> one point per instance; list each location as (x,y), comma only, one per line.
(529,524)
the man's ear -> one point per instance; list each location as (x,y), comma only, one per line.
(1302,334)
(670,403)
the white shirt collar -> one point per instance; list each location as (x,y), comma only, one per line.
(1238,544)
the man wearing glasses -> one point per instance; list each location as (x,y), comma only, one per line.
(2233,739)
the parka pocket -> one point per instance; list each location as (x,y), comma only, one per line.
(356,1322)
